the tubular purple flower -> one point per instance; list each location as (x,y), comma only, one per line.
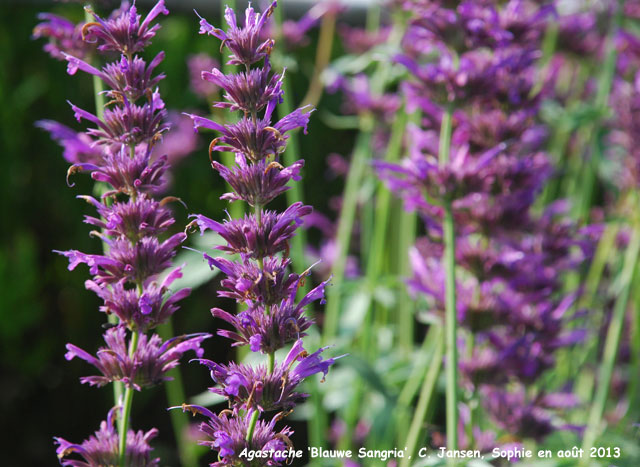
(124,33)
(102,447)
(243,42)
(78,148)
(254,238)
(257,140)
(252,388)
(128,79)
(258,183)
(248,91)
(148,365)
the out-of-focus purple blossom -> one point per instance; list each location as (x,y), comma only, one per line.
(102,447)
(196,64)
(526,418)
(124,33)
(148,365)
(294,33)
(64,37)
(78,147)
(358,40)
(360,98)
(178,142)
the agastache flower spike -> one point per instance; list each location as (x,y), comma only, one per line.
(475,65)
(259,278)
(127,277)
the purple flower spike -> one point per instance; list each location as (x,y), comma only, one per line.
(102,447)
(149,364)
(260,277)
(124,33)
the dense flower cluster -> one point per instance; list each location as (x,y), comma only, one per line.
(132,225)
(259,278)
(479,59)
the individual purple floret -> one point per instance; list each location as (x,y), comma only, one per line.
(243,42)
(101,449)
(79,148)
(265,332)
(257,237)
(124,33)
(148,365)
(253,388)
(256,139)
(258,183)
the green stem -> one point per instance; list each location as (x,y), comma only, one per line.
(345,227)
(451,321)
(126,408)
(175,396)
(252,425)
(424,400)
(605,82)
(612,343)
(271,363)
(294,194)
